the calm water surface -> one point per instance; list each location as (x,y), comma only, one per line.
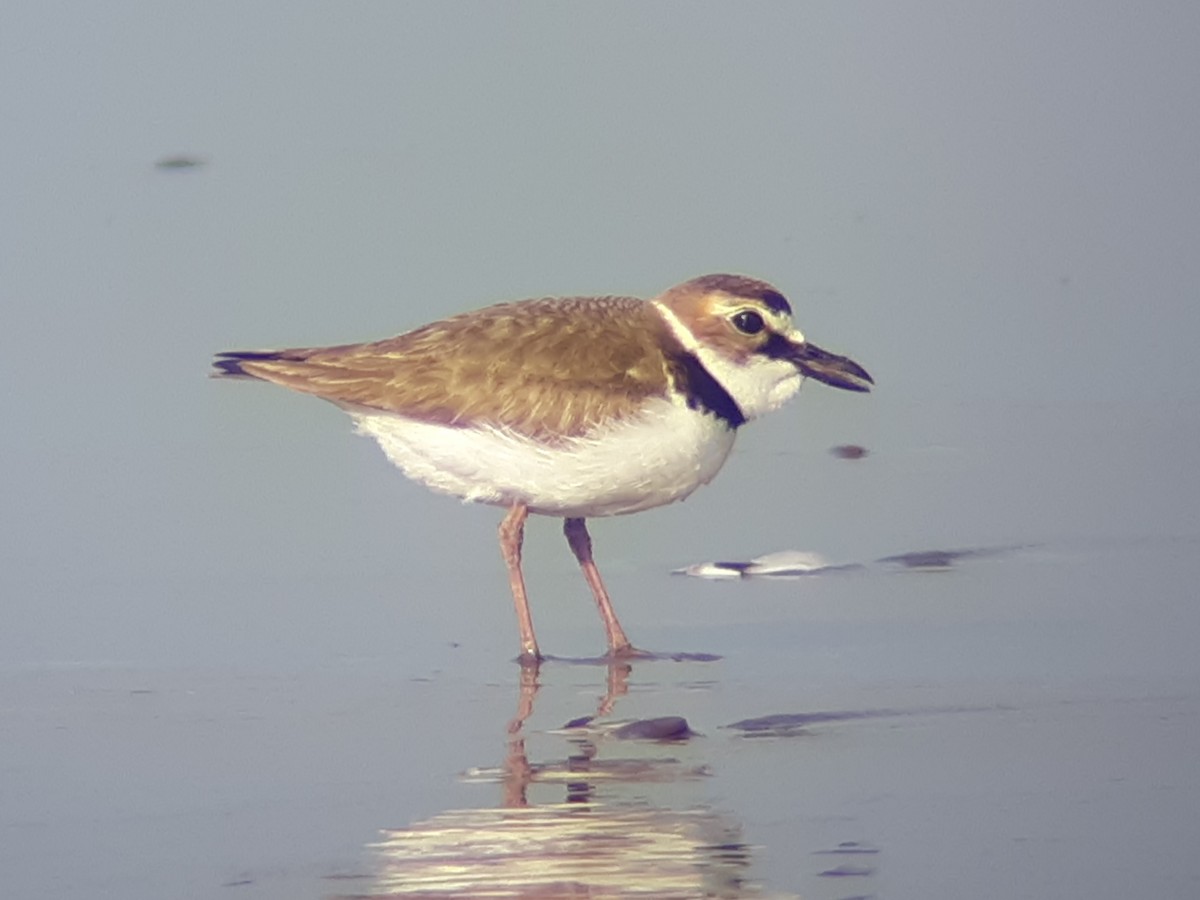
(1017,723)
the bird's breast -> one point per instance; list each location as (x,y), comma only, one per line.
(656,457)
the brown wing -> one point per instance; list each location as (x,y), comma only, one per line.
(539,367)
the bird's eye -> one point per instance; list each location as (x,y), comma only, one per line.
(747,322)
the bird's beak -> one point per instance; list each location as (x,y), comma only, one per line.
(835,371)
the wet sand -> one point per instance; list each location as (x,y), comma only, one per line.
(855,750)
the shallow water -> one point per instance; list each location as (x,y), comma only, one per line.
(1021,719)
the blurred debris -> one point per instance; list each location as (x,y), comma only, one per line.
(180,162)
(798,563)
(939,560)
(798,724)
(849,451)
(848,871)
(660,728)
(781,563)
(794,724)
(849,847)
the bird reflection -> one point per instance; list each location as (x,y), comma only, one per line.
(610,830)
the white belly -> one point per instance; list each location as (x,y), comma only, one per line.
(658,458)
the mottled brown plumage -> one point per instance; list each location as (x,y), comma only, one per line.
(544,368)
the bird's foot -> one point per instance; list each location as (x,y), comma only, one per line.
(530,660)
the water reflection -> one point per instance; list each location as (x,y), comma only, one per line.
(609,831)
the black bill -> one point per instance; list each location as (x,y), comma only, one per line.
(835,371)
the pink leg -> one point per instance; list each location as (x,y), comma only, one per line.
(512,535)
(581,545)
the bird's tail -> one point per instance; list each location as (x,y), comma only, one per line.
(229,363)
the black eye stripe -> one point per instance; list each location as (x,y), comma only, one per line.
(777,347)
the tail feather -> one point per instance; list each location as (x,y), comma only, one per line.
(229,363)
(312,370)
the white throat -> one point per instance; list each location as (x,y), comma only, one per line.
(759,385)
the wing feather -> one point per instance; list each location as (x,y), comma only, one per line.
(543,368)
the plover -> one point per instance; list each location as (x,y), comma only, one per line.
(573,407)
